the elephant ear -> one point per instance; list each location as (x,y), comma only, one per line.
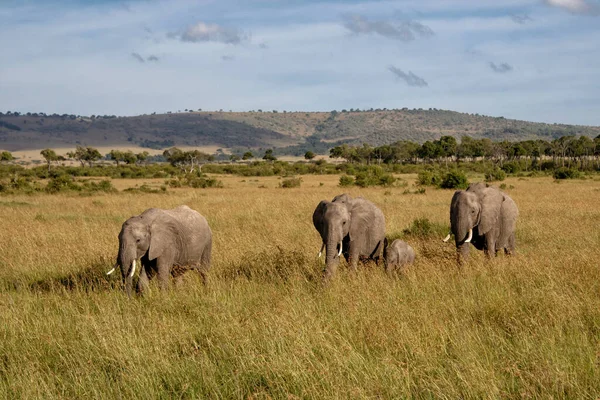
(491,202)
(165,237)
(361,218)
(319,216)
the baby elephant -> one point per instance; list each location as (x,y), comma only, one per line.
(398,255)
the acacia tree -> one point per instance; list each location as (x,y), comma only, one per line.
(186,160)
(269,155)
(142,157)
(6,156)
(50,156)
(247,155)
(116,155)
(85,154)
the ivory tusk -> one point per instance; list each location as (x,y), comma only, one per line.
(470,236)
(111,271)
(132,269)
(447,238)
(340,252)
(321,251)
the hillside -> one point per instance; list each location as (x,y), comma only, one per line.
(290,132)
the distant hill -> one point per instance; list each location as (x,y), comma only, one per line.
(289,132)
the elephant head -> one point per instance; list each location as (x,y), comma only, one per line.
(332,220)
(473,213)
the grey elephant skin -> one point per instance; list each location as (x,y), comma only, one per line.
(485,217)
(354,227)
(168,242)
(398,256)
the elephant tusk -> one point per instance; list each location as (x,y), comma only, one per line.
(470,236)
(321,251)
(340,252)
(447,238)
(111,271)
(132,269)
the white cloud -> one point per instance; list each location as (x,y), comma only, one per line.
(203,32)
(576,6)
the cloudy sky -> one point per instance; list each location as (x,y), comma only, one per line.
(536,60)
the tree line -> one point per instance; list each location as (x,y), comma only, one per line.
(567,151)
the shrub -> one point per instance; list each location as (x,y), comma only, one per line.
(373,176)
(494,175)
(429,177)
(454,180)
(346,180)
(62,183)
(566,173)
(423,228)
(511,167)
(194,181)
(290,183)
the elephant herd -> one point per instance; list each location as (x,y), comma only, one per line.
(170,242)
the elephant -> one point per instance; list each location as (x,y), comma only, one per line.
(168,242)
(485,217)
(398,256)
(352,226)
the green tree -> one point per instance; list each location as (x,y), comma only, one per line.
(142,157)
(247,155)
(129,158)
(50,156)
(186,160)
(309,155)
(116,155)
(269,155)
(6,156)
(85,154)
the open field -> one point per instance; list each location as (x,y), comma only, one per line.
(265,326)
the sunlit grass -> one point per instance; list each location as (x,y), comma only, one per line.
(265,326)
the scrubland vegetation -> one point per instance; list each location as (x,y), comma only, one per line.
(266,327)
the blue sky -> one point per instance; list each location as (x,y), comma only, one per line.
(536,60)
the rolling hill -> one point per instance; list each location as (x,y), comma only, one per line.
(289,132)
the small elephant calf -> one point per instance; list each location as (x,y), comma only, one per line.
(398,255)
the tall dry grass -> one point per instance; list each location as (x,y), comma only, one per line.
(265,326)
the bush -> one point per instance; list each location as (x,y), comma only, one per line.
(511,167)
(454,180)
(194,181)
(62,183)
(374,176)
(494,175)
(566,173)
(429,177)
(423,228)
(290,183)
(346,180)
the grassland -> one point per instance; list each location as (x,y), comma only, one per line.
(265,326)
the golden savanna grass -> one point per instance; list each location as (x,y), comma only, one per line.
(265,326)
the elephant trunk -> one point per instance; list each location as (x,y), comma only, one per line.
(332,258)
(127,261)
(462,252)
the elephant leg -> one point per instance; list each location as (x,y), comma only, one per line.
(164,273)
(143,281)
(490,247)
(204,265)
(510,249)
(353,257)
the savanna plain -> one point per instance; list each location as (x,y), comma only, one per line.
(265,326)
